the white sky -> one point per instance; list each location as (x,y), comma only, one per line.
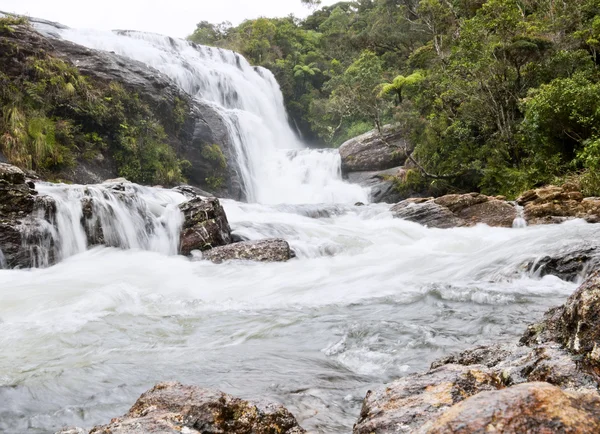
(173,18)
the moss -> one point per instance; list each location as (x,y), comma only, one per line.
(214,154)
(53,116)
(7,23)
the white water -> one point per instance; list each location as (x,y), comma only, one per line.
(126,216)
(251,104)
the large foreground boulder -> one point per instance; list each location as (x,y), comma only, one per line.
(526,408)
(205,225)
(173,408)
(374,151)
(270,250)
(457,210)
(552,204)
(547,383)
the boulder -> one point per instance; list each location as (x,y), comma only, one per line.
(271,250)
(406,404)
(205,225)
(525,408)
(173,408)
(383,184)
(457,210)
(553,204)
(374,151)
(570,264)
(575,325)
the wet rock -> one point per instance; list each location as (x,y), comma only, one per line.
(568,265)
(11,174)
(525,408)
(374,151)
(382,184)
(172,408)
(406,404)
(190,192)
(457,210)
(575,325)
(205,225)
(272,250)
(553,204)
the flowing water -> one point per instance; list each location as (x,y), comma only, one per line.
(368,299)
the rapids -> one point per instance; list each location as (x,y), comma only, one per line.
(369,297)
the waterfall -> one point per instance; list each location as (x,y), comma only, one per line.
(520,221)
(251,104)
(71,219)
(2,260)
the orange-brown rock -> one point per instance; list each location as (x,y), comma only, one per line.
(552,204)
(522,409)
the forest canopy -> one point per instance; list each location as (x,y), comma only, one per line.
(497,96)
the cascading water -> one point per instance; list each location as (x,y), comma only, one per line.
(71,219)
(251,104)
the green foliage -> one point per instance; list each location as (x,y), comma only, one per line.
(53,116)
(8,22)
(214,154)
(497,95)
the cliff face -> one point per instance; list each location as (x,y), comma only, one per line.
(114,114)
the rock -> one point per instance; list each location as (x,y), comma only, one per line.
(457,210)
(271,250)
(568,265)
(205,225)
(374,151)
(575,325)
(11,174)
(191,192)
(172,408)
(382,184)
(406,404)
(552,204)
(526,408)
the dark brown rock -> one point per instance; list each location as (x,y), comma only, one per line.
(525,408)
(569,264)
(374,151)
(205,225)
(406,404)
(172,408)
(427,213)
(270,250)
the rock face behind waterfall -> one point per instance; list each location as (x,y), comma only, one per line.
(172,408)
(189,124)
(547,383)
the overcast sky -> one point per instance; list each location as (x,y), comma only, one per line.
(173,17)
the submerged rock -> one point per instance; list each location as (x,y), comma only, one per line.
(552,204)
(271,250)
(568,265)
(374,151)
(457,210)
(526,408)
(173,408)
(205,225)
